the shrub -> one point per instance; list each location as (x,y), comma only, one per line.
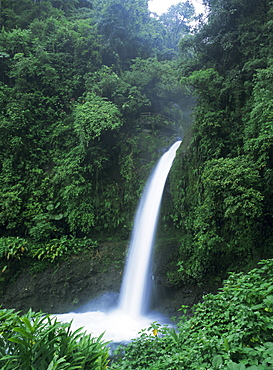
(13,247)
(231,330)
(58,249)
(38,342)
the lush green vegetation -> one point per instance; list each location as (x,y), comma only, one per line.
(75,145)
(37,341)
(231,330)
(77,79)
(73,88)
(222,186)
(15,247)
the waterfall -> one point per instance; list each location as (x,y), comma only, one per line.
(134,297)
(125,323)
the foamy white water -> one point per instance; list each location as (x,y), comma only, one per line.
(118,326)
(128,320)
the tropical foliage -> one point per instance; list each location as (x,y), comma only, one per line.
(90,93)
(77,144)
(72,93)
(37,341)
(231,330)
(222,186)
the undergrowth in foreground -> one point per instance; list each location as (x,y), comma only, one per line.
(38,342)
(231,330)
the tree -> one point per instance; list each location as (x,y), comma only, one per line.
(93,116)
(176,22)
(222,196)
(122,26)
(76,76)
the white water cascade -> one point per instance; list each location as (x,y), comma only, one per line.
(129,318)
(134,298)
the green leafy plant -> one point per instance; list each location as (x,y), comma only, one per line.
(93,116)
(37,341)
(13,247)
(231,330)
(58,249)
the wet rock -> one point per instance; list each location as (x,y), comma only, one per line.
(65,287)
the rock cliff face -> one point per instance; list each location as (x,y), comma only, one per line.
(89,282)
(67,286)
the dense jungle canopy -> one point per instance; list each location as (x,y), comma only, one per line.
(92,91)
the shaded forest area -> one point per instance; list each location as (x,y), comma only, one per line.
(90,98)
(222,186)
(92,91)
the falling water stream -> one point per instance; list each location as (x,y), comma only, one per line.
(134,298)
(124,323)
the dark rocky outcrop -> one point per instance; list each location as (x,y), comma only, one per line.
(89,282)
